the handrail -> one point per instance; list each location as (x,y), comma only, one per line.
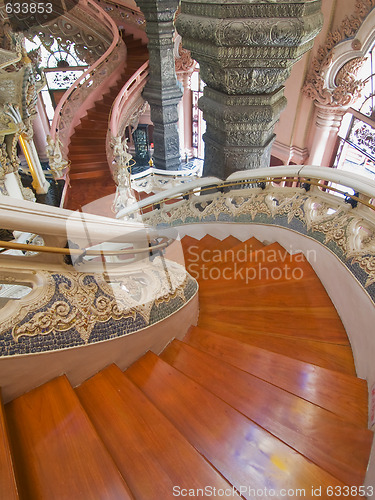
(267,175)
(81,251)
(131,13)
(116,41)
(163,173)
(122,98)
(174,192)
(21,215)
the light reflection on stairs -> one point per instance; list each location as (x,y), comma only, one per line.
(261,394)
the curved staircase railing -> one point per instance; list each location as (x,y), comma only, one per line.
(334,207)
(125,105)
(71,106)
(280,175)
(133,86)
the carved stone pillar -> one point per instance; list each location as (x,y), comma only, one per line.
(162,91)
(245,51)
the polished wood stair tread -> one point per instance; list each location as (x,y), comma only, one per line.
(214,252)
(57,451)
(8,485)
(292,324)
(91,174)
(308,381)
(332,356)
(243,452)
(266,265)
(149,451)
(307,291)
(324,438)
(209,242)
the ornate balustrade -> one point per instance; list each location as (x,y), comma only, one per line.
(333,207)
(124,14)
(154,180)
(110,285)
(126,106)
(71,106)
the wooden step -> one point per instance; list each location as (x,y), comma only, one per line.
(256,268)
(331,356)
(84,157)
(209,253)
(102,107)
(89,165)
(90,134)
(96,115)
(243,452)
(305,292)
(342,394)
(149,451)
(98,142)
(8,485)
(331,443)
(209,242)
(91,174)
(320,324)
(94,149)
(111,96)
(57,451)
(93,124)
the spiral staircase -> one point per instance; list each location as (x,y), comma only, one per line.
(90,176)
(261,397)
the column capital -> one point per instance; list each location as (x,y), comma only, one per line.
(157,11)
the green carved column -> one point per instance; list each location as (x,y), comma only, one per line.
(245,50)
(162,91)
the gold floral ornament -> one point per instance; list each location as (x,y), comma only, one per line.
(80,301)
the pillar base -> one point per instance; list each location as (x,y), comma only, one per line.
(239,132)
(222,161)
(41,188)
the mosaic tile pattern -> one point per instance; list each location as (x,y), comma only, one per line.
(67,335)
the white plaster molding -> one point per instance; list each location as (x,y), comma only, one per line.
(352,48)
(289,153)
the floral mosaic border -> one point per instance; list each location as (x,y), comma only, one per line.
(75,308)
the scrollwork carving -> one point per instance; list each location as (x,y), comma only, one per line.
(57,164)
(183,59)
(348,87)
(78,301)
